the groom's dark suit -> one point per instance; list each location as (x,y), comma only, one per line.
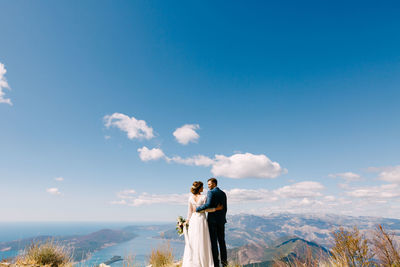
(216,224)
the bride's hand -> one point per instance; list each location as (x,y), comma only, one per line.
(219,207)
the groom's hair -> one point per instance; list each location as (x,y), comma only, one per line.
(213,180)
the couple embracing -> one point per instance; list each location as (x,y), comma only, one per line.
(205,233)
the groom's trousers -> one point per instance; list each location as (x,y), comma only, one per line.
(217,236)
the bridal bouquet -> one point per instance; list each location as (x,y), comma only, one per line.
(180,223)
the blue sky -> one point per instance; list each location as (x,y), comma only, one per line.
(299,101)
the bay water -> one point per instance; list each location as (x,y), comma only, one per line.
(136,250)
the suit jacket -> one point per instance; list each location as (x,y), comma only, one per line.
(214,197)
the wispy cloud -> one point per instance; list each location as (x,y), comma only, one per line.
(306,196)
(198,160)
(133,127)
(235,196)
(126,194)
(187,133)
(59,179)
(390,174)
(240,196)
(4,85)
(131,198)
(387,191)
(53,191)
(306,189)
(348,176)
(329,198)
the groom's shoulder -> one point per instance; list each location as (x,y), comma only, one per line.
(217,189)
(222,193)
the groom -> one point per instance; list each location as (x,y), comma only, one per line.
(216,221)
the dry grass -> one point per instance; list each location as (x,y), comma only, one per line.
(385,248)
(46,253)
(301,264)
(130,261)
(351,249)
(234,264)
(297,263)
(308,260)
(162,256)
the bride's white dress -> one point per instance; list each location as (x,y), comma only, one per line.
(197,238)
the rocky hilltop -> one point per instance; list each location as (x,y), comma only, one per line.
(284,248)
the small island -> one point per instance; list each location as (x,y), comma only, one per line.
(113,259)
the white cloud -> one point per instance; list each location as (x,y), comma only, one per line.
(237,166)
(390,174)
(246,165)
(146,154)
(348,176)
(303,197)
(134,128)
(344,185)
(149,199)
(198,160)
(240,196)
(126,194)
(323,205)
(235,196)
(329,198)
(304,205)
(187,133)
(53,191)
(387,191)
(307,189)
(373,169)
(307,201)
(131,198)
(4,85)
(59,179)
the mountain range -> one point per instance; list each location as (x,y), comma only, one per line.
(261,239)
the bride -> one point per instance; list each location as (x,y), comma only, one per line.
(197,237)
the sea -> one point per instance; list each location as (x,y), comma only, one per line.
(137,250)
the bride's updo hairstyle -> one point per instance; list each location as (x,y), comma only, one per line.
(195,189)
